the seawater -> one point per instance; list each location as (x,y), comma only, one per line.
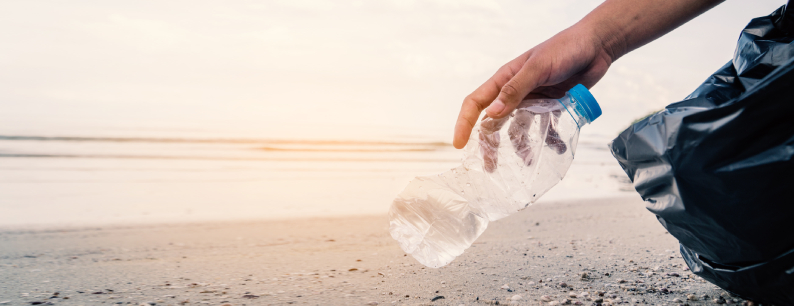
(85,180)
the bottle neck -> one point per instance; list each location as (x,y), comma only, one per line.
(576,110)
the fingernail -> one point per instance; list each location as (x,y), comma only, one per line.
(496,107)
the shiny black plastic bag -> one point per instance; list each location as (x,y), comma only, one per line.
(717,169)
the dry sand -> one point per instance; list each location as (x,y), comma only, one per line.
(536,257)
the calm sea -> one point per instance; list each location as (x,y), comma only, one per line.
(61,181)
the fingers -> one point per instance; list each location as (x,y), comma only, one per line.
(553,139)
(531,75)
(489,142)
(470,111)
(519,135)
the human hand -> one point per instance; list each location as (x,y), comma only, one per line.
(574,56)
(518,132)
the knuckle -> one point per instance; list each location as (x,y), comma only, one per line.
(478,104)
(510,90)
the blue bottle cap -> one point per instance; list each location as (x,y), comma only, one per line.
(588,102)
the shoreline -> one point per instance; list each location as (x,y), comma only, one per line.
(177,221)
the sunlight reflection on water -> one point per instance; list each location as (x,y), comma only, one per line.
(85,180)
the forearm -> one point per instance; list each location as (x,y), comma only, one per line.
(624,25)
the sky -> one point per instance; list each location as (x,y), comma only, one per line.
(311,69)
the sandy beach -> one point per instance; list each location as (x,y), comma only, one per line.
(609,251)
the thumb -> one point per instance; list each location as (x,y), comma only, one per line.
(530,76)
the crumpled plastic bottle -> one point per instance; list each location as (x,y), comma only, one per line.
(504,170)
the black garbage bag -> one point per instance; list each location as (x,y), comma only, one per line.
(717,168)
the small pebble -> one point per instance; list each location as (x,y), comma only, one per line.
(691,297)
(572,294)
(505,287)
(563,284)
(554,303)
(565,302)
(372,303)
(516,297)
(545,298)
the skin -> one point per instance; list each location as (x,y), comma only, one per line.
(580,54)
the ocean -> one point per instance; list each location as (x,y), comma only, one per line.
(81,181)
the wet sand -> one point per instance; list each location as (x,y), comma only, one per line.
(608,251)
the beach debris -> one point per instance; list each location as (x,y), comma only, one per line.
(438,297)
(250,296)
(505,287)
(352,269)
(584,276)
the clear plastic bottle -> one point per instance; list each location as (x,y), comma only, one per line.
(508,164)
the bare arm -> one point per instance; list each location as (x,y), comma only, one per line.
(579,54)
